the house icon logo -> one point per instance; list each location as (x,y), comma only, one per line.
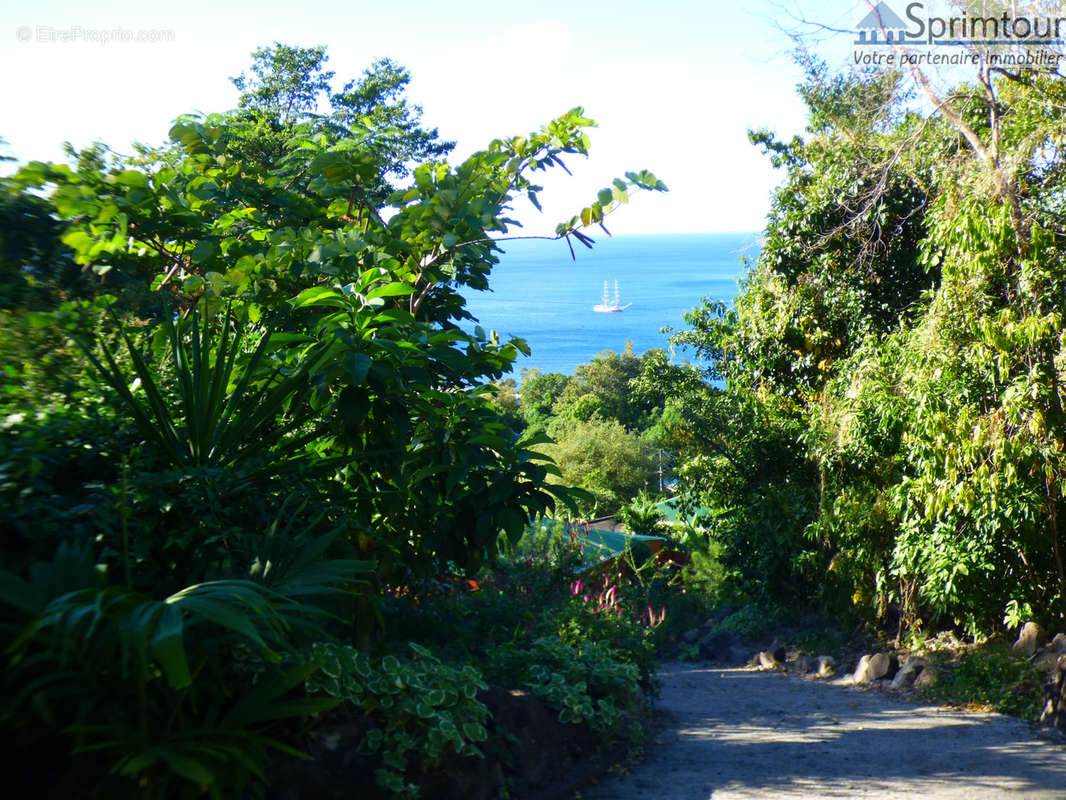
(881,26)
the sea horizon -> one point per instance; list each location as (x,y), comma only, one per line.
(541,294)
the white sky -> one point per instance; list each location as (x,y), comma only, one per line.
(673,84)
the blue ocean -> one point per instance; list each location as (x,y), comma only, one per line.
(543,296)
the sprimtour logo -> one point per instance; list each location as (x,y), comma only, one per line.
(883,26)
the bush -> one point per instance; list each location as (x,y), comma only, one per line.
(421,710)
(641,516)
(750,622)
(603,458)
(585,683)
(990,676)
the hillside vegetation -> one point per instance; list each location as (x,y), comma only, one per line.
(268,488)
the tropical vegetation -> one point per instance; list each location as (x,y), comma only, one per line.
(244,406)
(261,469)
(880,426)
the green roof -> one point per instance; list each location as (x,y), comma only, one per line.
(668,508)
(602,546)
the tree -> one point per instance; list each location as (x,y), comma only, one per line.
(602,388)
(376,101)
(290,86)
(642,515)
(539,392)
(288,398)
(605,459)
(841,258)
(287,83)
(36,270)
(506,402)
(315,257)
(893,408)
(840,263)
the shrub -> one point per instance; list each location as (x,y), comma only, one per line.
(990,676)
(422,710)
(585,683)
(641,515)
(750,622)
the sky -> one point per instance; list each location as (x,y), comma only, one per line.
(674,85)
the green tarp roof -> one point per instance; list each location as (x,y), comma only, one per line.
(602,546)
(669,509)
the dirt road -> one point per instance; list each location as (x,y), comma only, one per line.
(734,733)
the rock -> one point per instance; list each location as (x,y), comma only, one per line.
(908,673)
(927,678)
(767,660)
(691,636)
(859,676)
(1055,696)
(1046,660)
(820,666)
(824,666)
(879,666)
(1030,639)
(882,666)
(1058,644)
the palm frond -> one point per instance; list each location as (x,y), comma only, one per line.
(227,407)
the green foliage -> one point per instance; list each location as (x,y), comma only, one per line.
(376,101)
(585,682)
(751,622)
(606,427)
(221,416)
(286,81)
(943,429)
(278,419)
(119,641)
(1016,614)
(888,437)
(540,392)
(157,691)
(764,547)
(604,459)
(642,515)
(991,677)
(421,710)
(289,86)
(36,271)
(540,590)
(705,577)
(620,616)
(601,389)
(373,312)
(505,401)
(545,543)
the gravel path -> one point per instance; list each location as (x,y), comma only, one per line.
(736,733)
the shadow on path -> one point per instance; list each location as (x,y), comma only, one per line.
(734,733)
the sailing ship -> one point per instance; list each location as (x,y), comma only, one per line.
(607,306)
